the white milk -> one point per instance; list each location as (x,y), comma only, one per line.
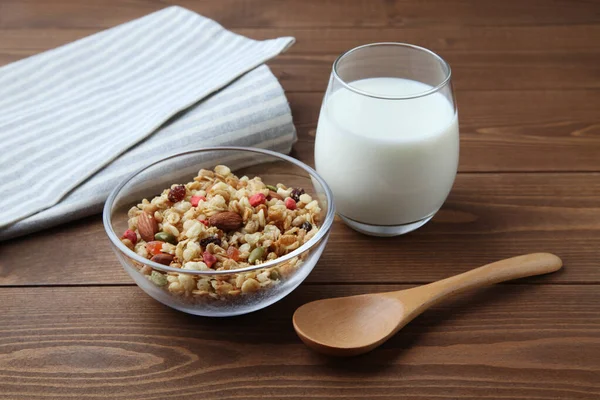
(388,162)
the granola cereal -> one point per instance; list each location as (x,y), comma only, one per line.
(221,222)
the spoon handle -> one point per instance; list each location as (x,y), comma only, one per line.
(499,271)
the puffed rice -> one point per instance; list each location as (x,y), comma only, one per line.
(270,226)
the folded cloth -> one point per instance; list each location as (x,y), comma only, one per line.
(79,118)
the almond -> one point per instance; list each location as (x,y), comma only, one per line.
(274,195)
(162,258)
(147,226)
(226,220)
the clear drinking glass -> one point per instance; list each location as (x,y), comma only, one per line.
(387,140)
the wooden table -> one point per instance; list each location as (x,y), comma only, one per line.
(527,80)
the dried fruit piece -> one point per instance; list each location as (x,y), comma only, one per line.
(272,188)
(233,253)
(147,226)
(176,193)
(209,259)
(154,247)
(296,193)
(257,199)
(204,222)
(306,226)
(166,237)
(290,204)
(256,254)
(213,239)
(158,279)
(129,234)
(162,258)
(226,221)
(196,199)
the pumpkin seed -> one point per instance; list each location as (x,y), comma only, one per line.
(166,237)
(274,274)
(157,278)
(256,254)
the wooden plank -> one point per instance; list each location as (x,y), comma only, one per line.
(487,217)
(545,130)
(470,71)
(495,125)
(447,39)
(524,341)
(443,39)
(307,13)
(542,57)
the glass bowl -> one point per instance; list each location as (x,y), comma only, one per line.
(272,167)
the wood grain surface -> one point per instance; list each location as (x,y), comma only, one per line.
(559,131)
(292,14)
(505,342)
(486,218)
(527,80)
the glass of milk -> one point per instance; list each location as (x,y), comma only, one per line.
(387,139)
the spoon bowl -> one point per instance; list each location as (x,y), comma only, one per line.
(353,325)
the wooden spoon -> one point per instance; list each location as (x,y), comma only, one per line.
(347,326)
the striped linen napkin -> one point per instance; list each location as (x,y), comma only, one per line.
(78,119)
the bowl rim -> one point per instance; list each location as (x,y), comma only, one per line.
(323,230)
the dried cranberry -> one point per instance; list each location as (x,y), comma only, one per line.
(213,239)
(176,194)
(209,259)
(296,193)
(257,199)
(129,234)
(290,203)
(306,226)
(196,199)
(205,222)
